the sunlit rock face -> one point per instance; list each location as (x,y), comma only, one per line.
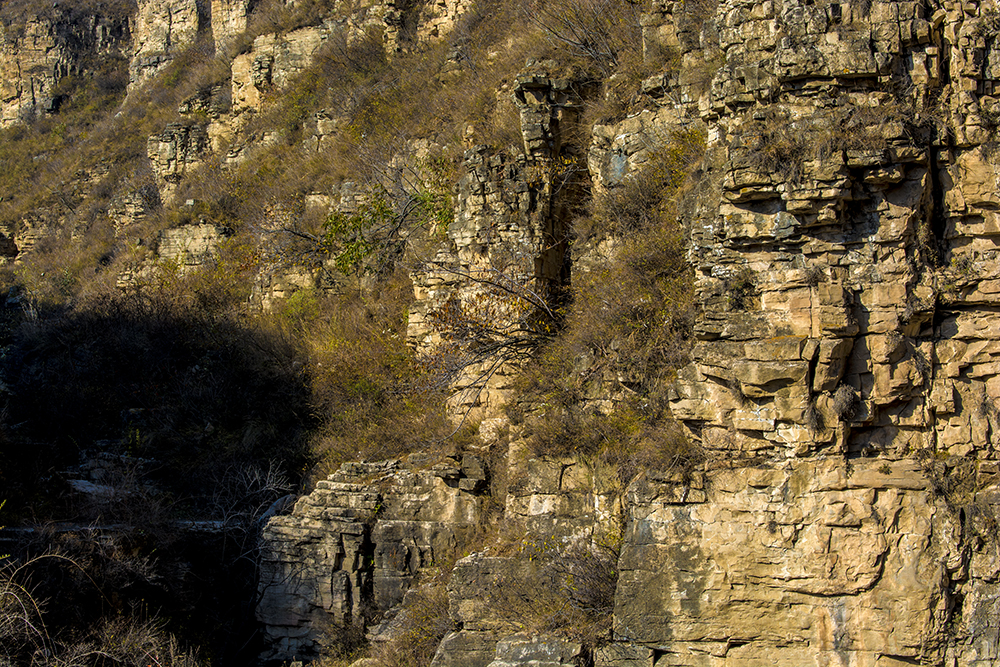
(39,52)
(844,378)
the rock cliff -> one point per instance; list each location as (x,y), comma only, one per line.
(843,378)
(842,385)
(38,52)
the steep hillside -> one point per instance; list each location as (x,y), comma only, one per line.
(584,332)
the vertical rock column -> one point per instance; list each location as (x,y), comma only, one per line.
(163,28)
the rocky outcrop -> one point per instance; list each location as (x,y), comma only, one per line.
(508,241)
(351,548)
(36,55)
(165,29)
(834,339)
(828,272)
(271,64)
(538,651)
(162,30)
(845,374)
(172,153)
(791,562)
(190,245)
(229,20)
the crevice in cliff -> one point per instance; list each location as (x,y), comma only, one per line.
(936,218)
(203,10)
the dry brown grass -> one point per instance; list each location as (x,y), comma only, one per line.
(365,379)
(548,587)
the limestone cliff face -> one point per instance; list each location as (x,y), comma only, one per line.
(40,52)
(353,546)
(165,29)
(844,379)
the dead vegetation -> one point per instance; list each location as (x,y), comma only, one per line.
(179,370)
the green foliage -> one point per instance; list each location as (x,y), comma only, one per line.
(371,237)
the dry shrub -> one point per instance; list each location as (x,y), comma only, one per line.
(365,379)
(647,197)
(636,434)
(775,142)
(635,311)
(92,158)
(845,403)
(742,290)
(63,624)
(601,33)
(14,14)
(548,587)
(627,330)
(423,621)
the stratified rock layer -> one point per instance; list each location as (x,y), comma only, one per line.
(351,548)
(845,375)
(36,55)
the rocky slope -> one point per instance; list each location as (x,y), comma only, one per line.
(844,377)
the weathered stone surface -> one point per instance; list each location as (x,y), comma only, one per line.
(37,55)
(162,30)
(466,648)
(537,651)
(271,64)
(190,245)
(846,368)
(796,563)
(174,152)
(354,545)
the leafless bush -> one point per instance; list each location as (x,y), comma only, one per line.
(546,587)
(26,639)
(845,403)
(742,290)
(423,622)
(604,32)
